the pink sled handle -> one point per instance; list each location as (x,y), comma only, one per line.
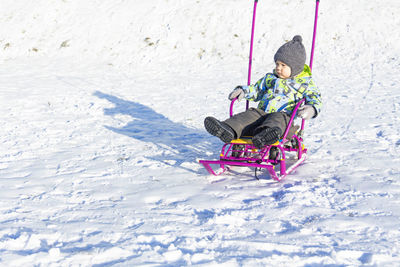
(251,55)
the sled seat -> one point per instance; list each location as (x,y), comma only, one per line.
(246,140)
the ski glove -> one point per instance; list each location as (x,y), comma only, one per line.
(238,93)
(306,112)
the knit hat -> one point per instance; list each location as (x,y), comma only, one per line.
(292,54)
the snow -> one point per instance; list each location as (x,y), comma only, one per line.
(102,106)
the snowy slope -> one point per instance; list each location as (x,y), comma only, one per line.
(102,106)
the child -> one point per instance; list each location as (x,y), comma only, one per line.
(277,93)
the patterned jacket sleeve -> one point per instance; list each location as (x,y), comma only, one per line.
(313,96)
(256,92)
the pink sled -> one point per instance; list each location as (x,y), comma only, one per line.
(241,152)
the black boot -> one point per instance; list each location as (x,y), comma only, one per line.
(266,136)
(219,129)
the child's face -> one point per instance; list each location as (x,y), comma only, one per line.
(282,70)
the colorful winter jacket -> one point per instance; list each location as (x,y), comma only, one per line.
(275,94)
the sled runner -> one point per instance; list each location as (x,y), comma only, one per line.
(279,159)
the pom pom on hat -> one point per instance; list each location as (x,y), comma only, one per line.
(297,38)
(292,54)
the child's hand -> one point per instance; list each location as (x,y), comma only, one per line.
(306,112)
(236,93)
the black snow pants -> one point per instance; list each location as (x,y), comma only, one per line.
(254,120)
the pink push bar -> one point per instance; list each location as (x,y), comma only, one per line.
(314,33)
(251,48)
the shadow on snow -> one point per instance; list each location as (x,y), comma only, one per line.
(177,142)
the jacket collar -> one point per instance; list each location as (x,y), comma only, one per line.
(305,73)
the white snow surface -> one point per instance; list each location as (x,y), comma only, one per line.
(102,106)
